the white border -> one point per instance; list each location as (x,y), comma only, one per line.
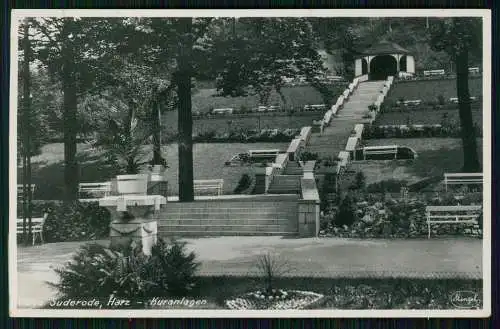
(18,14)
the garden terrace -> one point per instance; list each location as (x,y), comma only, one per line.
(430,90)
(209,162)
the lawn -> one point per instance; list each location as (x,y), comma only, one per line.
(429,90)
(48,171)
(435,157)
(424,117)
(205,99)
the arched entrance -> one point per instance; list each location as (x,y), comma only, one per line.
(382,66)
(402,64)
(364,66)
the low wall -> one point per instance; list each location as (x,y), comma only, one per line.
(308,205)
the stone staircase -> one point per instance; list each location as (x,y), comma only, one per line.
(334,137)
(293,168)
(253,215)
(285,184)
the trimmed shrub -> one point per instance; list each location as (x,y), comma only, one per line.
(308,156)
(243,184)
(346,214)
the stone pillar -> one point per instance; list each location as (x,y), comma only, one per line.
(358,67)
(308,218)
(138,230)
(410,64)
(133,219)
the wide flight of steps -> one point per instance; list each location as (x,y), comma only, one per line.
(334,137)
(285,184)
(252,215)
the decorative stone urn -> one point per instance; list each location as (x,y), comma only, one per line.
(133,212)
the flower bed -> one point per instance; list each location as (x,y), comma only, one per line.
(374,217)
(413,131)
(278,300)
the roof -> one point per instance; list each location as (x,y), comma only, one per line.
(385,47)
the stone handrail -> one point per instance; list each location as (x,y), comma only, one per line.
(294,146)
(305,134)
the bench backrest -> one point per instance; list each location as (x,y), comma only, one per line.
(84,187)
(20,189)
(434,72)
(463,178)
(208,182)
(37,223)
(452,214)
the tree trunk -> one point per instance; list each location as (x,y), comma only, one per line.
(26,137)
(69,117)
(155,122)
(471,161)
(185,119)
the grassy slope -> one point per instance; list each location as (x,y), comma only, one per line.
(429,90)
(435,157)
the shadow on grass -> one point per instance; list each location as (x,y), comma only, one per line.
(437,162)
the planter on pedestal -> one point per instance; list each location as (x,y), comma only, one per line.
(133,212)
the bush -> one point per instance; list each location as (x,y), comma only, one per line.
(346,214)
(308,156)
(359,180)
(74,221)
(390,185)
(99,271)
(176,267)
(243,184)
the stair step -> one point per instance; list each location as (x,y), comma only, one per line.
(214,221)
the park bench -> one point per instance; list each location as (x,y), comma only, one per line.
(102,189)
(37,224)
(462,179)
(451,215)
(474,70)
(378,150)
(20,190)
(455,99)
(209,184)
(412,102)
(433,72)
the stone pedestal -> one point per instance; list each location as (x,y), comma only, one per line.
(308,218)
(132,219)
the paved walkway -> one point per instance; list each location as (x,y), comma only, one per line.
(326,257)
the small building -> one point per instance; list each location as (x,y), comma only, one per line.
(384,59)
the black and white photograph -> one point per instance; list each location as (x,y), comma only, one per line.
(250,163)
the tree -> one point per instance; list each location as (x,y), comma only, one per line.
(78,52)
(460,37)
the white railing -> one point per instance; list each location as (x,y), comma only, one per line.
(95,189)
(305,134)
(294,147)
(359,130)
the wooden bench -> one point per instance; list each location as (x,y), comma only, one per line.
(433,72)
(451,215)
(37,224)
(94,189)
(474,70)
(462,179)
(455,99)
(20,190)
(209,184)
(380,150)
